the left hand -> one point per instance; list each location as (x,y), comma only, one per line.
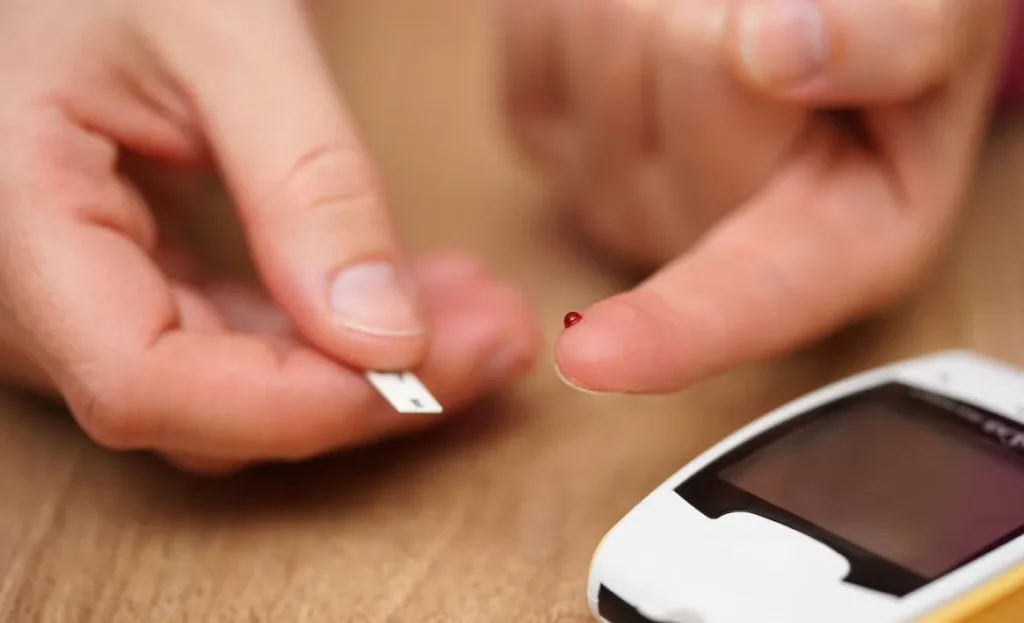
(702,135)
(102,304)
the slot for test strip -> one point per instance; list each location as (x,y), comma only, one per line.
(404,391)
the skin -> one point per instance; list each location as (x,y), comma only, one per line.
(102,305)
(689,139)
(768,223)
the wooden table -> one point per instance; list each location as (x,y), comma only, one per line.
(493,517)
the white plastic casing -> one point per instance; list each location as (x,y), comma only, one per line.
(677,566)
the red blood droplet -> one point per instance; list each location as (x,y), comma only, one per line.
(571,318)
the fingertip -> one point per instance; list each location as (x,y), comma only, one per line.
(589,351)
(377,298)
(526,332)
(620,345)
(371,316)
(517,340)
(834,52)
(486,340)
(449,268)
(778,46)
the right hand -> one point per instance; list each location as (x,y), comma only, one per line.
(699,138)
(149,355)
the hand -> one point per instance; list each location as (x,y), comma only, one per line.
(705,137)
(150,355)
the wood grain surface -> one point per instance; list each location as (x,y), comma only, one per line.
(493,517)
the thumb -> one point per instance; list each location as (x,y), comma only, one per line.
(309,198)
(834,51)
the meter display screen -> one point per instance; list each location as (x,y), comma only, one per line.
(911,484)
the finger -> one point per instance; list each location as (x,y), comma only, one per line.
(455,287)
(247,309)
(533,81)
(147,363)
(620,193)
(205,467)
(850,51)
(829,241)
(161,132)
(300,404)
(722,141)
(638,223)
(607,66)
(475,358)
(309,197)
(144,368)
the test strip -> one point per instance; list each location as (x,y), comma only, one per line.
(404,391)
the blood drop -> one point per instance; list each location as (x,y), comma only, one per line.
(571,318)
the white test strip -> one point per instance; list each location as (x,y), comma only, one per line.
(404,391)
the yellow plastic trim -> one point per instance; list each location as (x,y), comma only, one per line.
(1000,600)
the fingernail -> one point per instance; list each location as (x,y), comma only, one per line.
(783,42)
(573,383)
(372,298)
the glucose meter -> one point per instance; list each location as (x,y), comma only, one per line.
(893,496)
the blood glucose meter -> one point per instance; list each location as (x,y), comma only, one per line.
(893,496)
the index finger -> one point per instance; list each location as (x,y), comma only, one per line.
(308,194)
(830,240)
(145,362)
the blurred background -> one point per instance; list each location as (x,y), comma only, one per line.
(494,516)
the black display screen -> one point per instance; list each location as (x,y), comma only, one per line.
(906,484)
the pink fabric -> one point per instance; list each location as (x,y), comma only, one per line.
(1011,92)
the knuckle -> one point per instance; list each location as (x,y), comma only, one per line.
(327,207)
(329,176)
(332,189)
(61,169)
